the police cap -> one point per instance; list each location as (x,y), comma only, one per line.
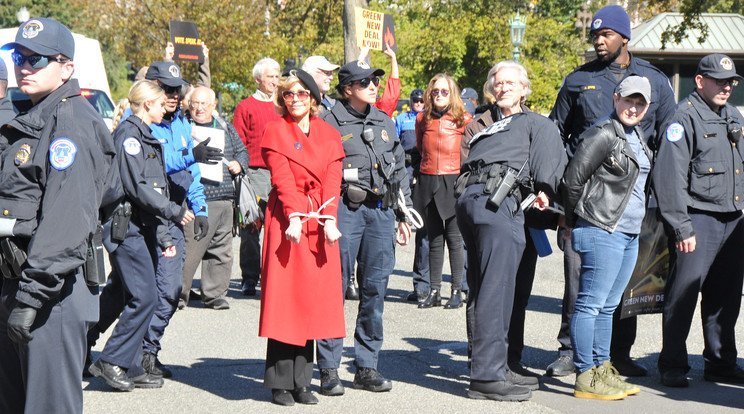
(44,36)
(166,72)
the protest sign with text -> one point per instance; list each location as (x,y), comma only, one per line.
(375,30)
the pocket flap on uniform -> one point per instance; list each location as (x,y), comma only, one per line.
(708,167)
(18,209)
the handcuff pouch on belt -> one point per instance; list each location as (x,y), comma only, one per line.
(94,269)
(13,258)
(120,221)
(354,196)
(392,188)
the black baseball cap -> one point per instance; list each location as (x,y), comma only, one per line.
(166,72)
(356,70)
(717,66)
(44,36)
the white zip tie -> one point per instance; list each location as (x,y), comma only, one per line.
(314,214)
(416,221)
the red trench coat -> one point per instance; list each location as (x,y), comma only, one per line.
(301,297)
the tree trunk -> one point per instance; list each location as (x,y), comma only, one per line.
(351,50)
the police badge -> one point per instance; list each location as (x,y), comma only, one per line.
(385,136)
(23,154)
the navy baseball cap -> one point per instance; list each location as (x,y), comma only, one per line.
(356,70)
(717,66)
(167,72)
(469,93)
(44,36)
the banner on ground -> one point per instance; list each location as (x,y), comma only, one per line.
(375,30)
(186,41)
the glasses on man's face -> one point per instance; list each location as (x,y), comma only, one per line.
(364,83)
(170,90)
(36,61)
(328,73)
(417,101)
(301,95)
(197,104)
(437,92)
(723,82)
(504,84)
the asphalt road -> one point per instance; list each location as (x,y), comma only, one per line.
(218,360)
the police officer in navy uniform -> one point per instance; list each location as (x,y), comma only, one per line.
(405,126)
(699,180)
(585,98)
(51,188)
(527,146)
(134,254)
(374,177)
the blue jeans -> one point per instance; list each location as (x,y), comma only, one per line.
(607,261)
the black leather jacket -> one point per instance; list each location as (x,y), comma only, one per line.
(599,180)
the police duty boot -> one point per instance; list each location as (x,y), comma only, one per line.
(455,300)
(626,366)
(330,384)
(434,299)
(590,385)
(147,381)
(152,366)
(530,382)
(612,378)
(561,367)
(113,375)
(498,391)
(371,380)
(351,289)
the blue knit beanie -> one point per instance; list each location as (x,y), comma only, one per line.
(614,18)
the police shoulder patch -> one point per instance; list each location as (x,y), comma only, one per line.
(62,153)
(674,132)
(132,146)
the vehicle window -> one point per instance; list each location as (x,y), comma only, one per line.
(98,99)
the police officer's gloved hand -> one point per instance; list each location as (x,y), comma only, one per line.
(201,225)
(206,155)
(19,324)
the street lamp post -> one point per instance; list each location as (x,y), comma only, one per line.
(517,25)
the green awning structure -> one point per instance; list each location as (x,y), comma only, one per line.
(725,35)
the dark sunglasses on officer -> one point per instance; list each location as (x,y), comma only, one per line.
(364,83)
(36,61)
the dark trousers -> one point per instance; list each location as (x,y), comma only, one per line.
(623,330)
(715,269)
(288,366)
(438,230)
(421,277)
(495,243)
(369,239)
(522,291)
(169,282)
(44,375)
(134,262)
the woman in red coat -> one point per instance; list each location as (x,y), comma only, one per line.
(301,298)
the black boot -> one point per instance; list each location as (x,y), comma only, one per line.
(351,290)
(434,299)
(455,300)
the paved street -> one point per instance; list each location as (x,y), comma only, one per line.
(218,360)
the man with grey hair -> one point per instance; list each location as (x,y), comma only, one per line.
(251,117)
(322,72)
(508,140)
(533,218)
(214,251)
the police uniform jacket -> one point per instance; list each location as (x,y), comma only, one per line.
(142,169)
(524,136)
(599,180)
(586,97)
(363,166)
(698,166)
(52,182)
(405,127)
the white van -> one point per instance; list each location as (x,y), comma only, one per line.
(89,71)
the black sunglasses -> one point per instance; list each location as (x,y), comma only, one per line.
(417,100)
(36,61)
(364,83)
(170,90)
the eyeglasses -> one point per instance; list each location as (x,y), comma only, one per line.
(723,82)
(36,61)
(301,95)
(364,83)
(437,92)
(417,101)
(501,85)
(328,73)
(170,90)
(197,104)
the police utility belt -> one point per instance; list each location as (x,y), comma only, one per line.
(500,182)
(354,196)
